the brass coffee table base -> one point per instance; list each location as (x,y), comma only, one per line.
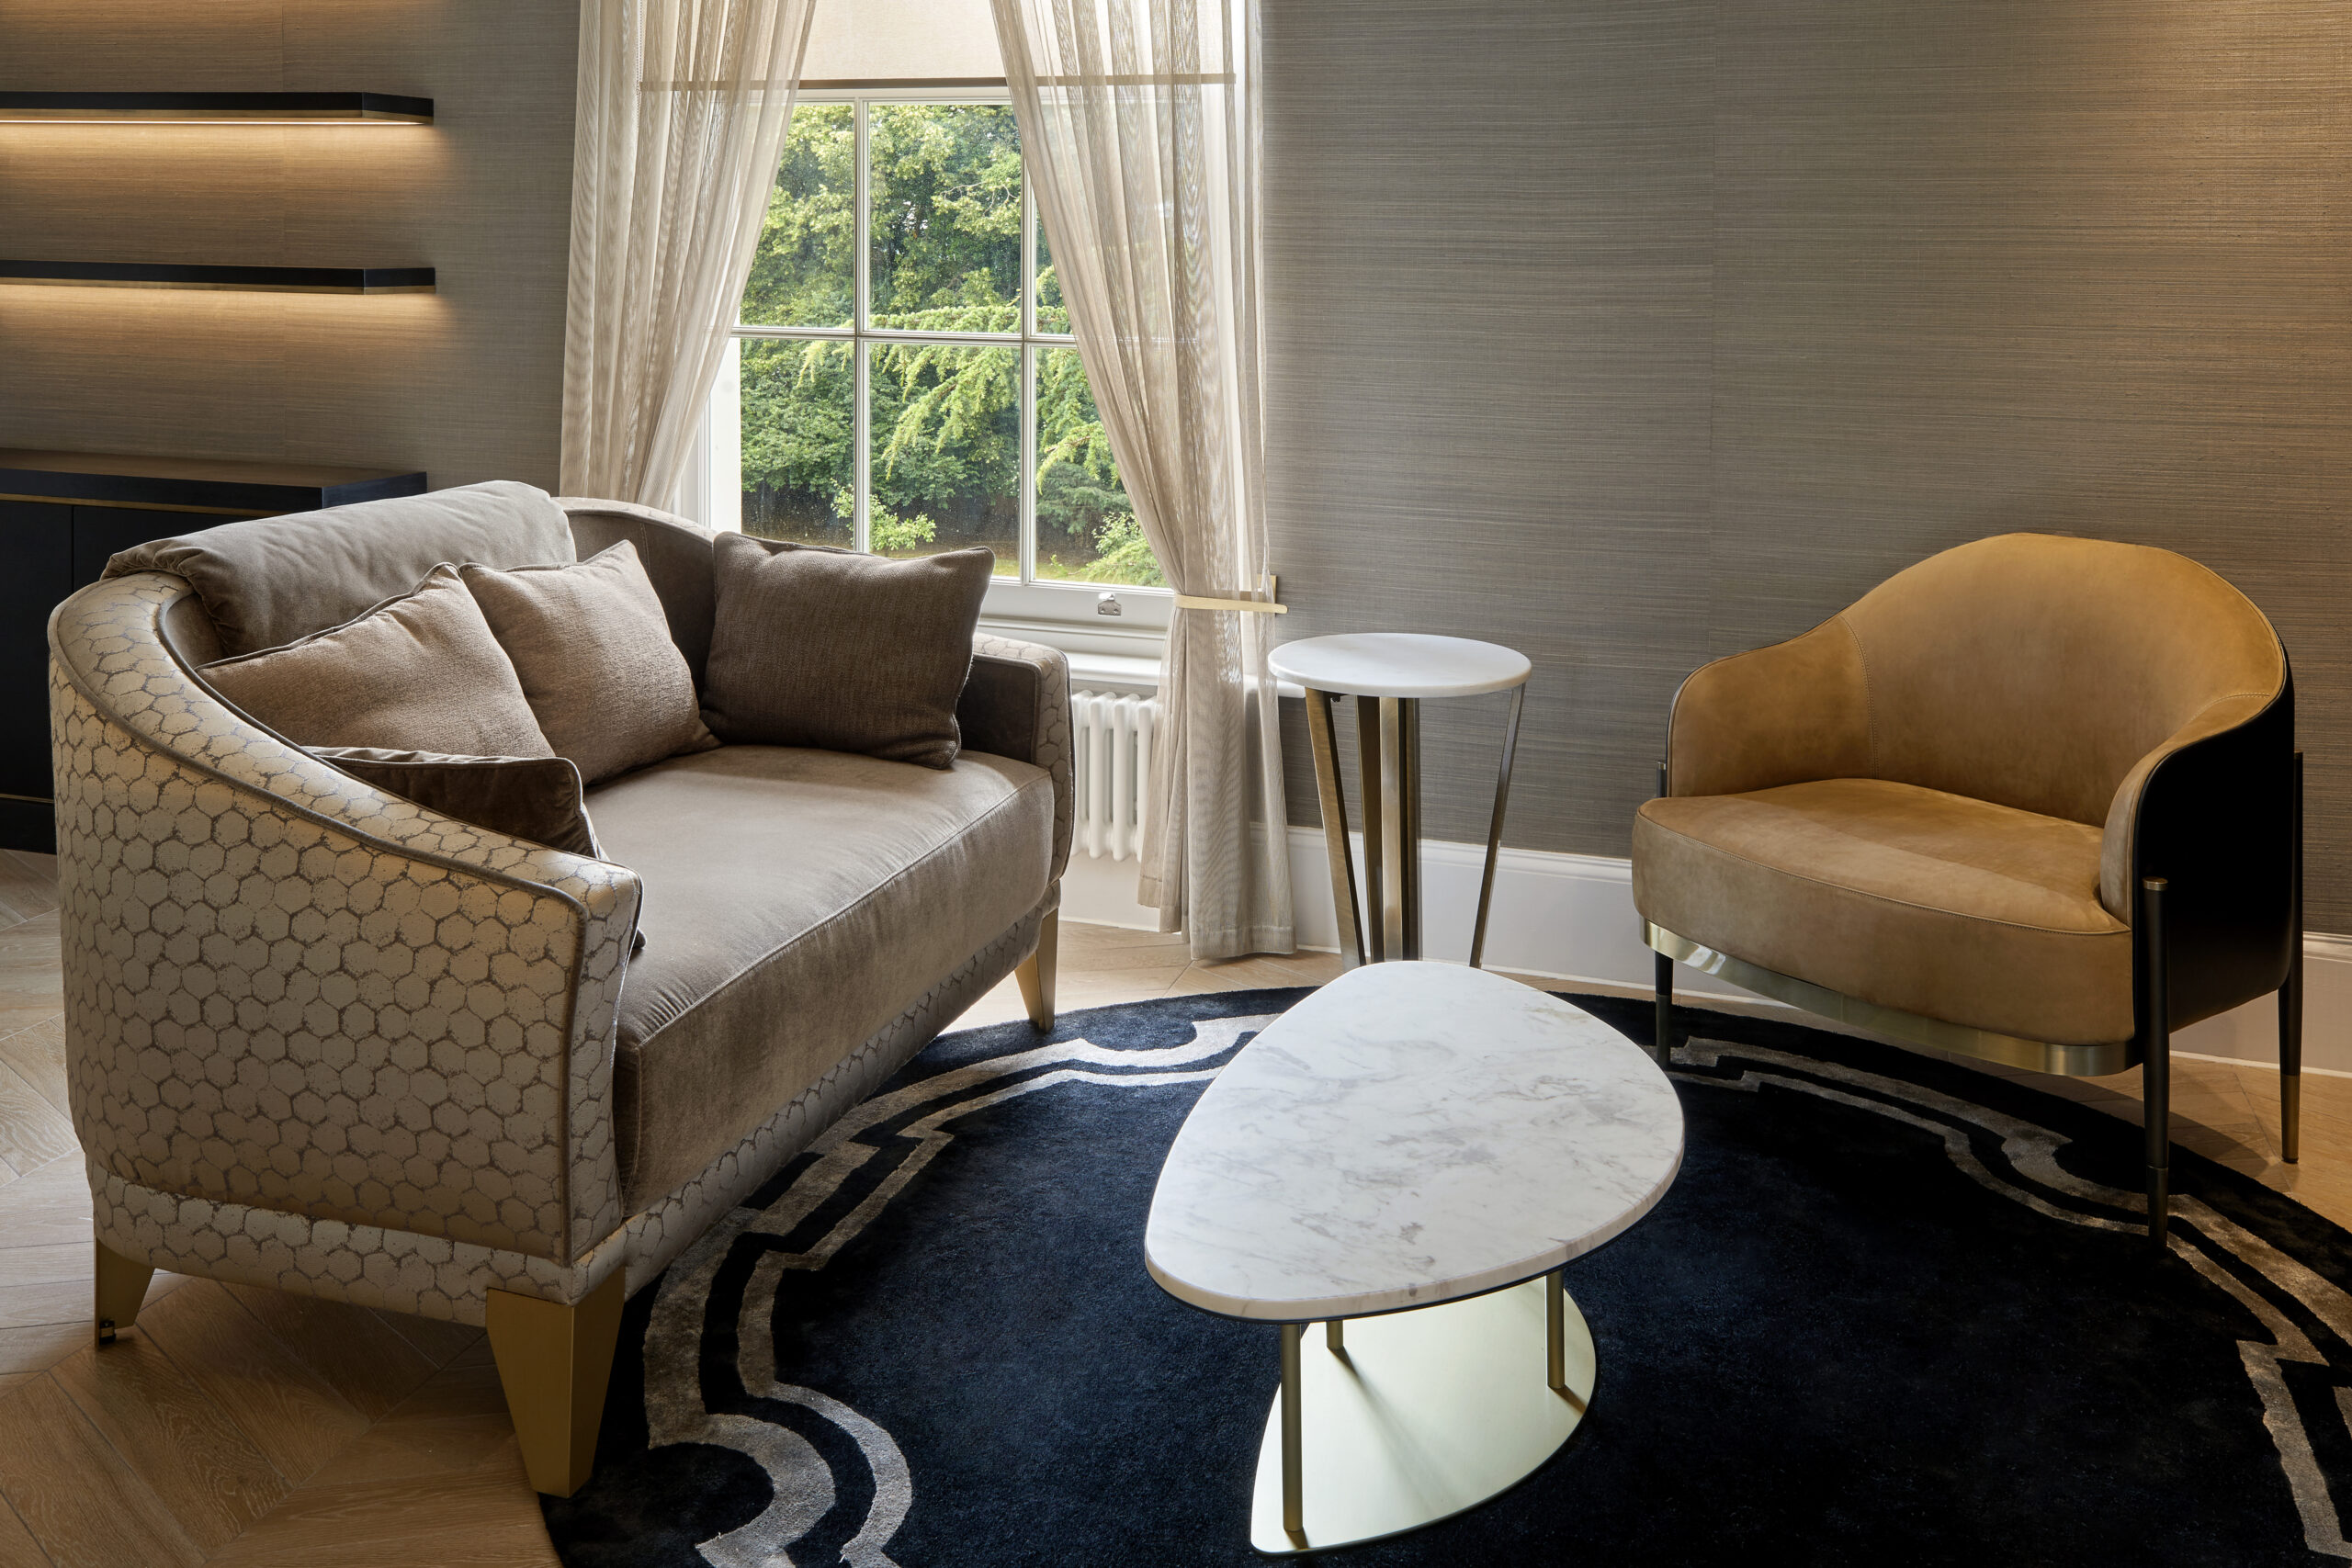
(1418,1416)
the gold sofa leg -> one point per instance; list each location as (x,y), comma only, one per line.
(554,1362)
(122,1289)
(1036,972)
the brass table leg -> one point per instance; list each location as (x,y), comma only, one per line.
(1384,922)
(1294,1465)
(1375,946)
(1495,830)
(1556,1348)
(1399,903)
(1325,733)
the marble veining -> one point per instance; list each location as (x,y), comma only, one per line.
(1411,1133)
(1399,664)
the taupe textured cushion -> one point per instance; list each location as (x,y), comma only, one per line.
(818,647)
(592,647)
(523,797)
(417,673)
(803,899)
(1913,899)
(272,579)
(675,553)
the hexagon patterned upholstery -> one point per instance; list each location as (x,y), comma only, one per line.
(320,1038)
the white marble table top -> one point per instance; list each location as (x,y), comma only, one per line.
(1399,664)
(1410,1135)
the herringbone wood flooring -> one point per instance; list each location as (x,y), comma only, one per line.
(245,1426)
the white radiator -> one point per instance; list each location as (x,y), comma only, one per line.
(1113,736)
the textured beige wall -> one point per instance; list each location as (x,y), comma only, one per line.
(1634,335)
(464,384)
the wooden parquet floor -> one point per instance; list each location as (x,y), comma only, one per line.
(246,1426)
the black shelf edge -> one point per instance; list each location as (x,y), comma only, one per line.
(274,280)
(98,478)
(210,109)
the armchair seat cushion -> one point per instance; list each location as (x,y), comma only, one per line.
(796,899)
(1913,899)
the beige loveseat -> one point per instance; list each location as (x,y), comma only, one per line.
(323,1039)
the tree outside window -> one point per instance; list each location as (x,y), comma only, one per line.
(886,404)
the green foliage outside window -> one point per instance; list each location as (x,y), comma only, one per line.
(945,256)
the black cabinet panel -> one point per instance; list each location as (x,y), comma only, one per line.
(37,547)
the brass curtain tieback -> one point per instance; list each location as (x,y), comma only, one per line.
(1266,606)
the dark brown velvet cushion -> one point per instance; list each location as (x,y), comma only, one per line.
(847,652)
(417,673)
(536,798)
(592,647)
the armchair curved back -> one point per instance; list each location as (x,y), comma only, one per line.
(2038,671)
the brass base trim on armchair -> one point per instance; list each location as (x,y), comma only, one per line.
(2034,1055)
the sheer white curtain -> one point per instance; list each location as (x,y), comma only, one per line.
(1139,131)
(682,114)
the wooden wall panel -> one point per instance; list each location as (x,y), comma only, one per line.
(464,384)
(1633,336)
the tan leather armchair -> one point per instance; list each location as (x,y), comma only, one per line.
(2035,800)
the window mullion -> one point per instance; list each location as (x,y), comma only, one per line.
(1028,462)
(861,419)
(1028,296)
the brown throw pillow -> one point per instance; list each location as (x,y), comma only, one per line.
(849,653)
(593,650)
(536,798)
(420,672)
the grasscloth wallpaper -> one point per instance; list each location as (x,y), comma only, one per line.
(464,384)
(1627,334)
(1633,335)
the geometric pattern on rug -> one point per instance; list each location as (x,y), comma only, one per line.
(834,1486)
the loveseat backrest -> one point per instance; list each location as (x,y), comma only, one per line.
(270,579)
(2035,670)
(676,557)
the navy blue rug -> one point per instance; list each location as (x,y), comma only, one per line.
(1892,1310)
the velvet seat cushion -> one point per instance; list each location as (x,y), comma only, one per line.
(1913,898)
(799,898)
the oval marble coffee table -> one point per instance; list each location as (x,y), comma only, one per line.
(1422,1147)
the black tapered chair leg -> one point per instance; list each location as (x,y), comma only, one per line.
(2291,1000)
(1662,1040)
(2155,1067)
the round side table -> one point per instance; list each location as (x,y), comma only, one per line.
(1388,673)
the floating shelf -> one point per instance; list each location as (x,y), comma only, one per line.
(216,108)
(270,279)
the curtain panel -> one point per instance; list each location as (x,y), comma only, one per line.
(683,107)
(1139,131)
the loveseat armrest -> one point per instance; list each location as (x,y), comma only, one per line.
(288,990)
(1016,704)
(1791,713)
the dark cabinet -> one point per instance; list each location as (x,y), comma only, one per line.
(88,507)
(36,542)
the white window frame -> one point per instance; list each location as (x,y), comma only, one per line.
(1120,628)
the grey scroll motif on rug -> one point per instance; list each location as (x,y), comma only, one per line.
(804,1484)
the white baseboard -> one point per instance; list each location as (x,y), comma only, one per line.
(1570,918)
